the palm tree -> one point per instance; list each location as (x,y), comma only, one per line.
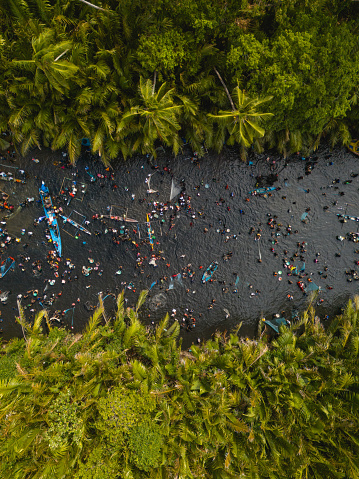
(154,118)
(242,122)
(35,87)
(337,131)
(226,409)
(197,89)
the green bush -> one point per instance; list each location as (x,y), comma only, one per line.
(145,443)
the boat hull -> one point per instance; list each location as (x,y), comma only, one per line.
(262,191)
(209,271)
(51,219)
(149,231)
(354,147)
(116,218)
(6,265)
(75,224)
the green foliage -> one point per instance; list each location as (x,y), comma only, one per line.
(99,465)
(78,407)
(162,51)
(69,70)
(11,354)
(145,443)
(243,121)
(120,410)
(154,119)
(246,56)
(7,366)
(64,423)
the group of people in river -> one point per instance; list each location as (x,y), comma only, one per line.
(147,242)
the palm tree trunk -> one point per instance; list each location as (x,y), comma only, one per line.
(92,5)
(21,318)
(154,82)
(102,307)
(225,88)
(61,55)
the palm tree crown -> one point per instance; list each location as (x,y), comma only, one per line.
(155,117)
(243,121)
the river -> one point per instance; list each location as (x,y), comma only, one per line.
(243,289)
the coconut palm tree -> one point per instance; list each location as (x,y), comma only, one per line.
(90,404)
(153,119)
(36,86)
(242,122)
(337,131)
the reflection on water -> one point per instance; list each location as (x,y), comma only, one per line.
(225,224)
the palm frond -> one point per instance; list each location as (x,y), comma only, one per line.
(141,299)
(94,321)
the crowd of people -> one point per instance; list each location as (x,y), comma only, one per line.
(147,241)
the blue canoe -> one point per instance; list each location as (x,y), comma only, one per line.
(93,178)
(51,218)
(6,265)
(209,271)
(275,323)
(261,191)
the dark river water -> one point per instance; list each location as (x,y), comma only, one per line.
(243,288)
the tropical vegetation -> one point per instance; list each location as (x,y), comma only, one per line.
(132,75)
(124,401)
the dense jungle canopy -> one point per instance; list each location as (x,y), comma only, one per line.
(120,401)
(130,75)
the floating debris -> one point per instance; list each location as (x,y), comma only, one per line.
(347,217)
(276,323)
(9,177)
(312,287)
(4,296)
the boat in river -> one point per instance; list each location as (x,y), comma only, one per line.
(347,217)
(209,271)
(6,265)
(262,191)
(115,218)
(276,323)
(51,218)
(93,178)
(9,177)
(149,231)
(354,147)
(67,219)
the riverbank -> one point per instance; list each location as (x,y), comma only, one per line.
(222,224)
(214,409)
